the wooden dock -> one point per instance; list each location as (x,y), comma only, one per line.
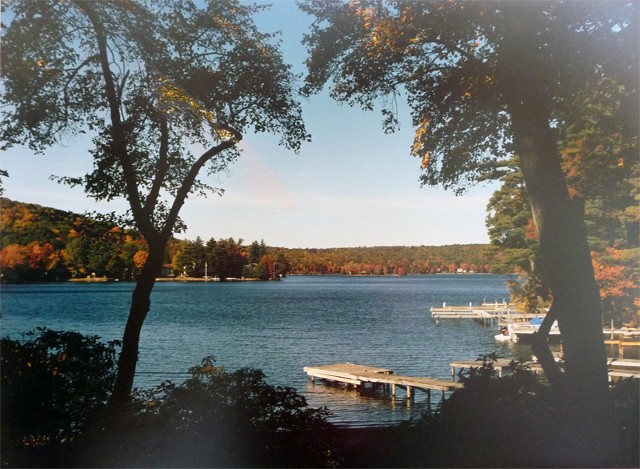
(485,312)
(618,367)
(358,375)
(500,364)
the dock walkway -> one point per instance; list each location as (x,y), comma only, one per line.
(358,375)
(617,367)
(485,312)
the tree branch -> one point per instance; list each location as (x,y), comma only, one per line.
(163,167)
(118,131)
(73,75)
(189,180)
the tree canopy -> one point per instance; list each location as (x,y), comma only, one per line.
(451,61)
(159,86)
(164,89)
(598,147)
(486,81)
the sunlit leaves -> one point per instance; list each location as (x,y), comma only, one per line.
(171,98)
(618,278)
(184,76)
(444,57)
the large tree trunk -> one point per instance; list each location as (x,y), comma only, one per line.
(565,256)
(527,88)
(582,388)
(140,305)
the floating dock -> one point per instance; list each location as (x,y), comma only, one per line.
(486,312)
(617,367)
(352,374)
(358,375)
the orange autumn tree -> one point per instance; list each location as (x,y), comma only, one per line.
(619,287)
(13,257)
(598,147)
(600,160)
(34,262)
(140,259)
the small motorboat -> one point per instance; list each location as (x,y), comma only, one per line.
(506,335)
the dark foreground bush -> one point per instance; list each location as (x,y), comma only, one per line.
(55,391)
(518,421)
(53,385)
(216,419)
(56,386)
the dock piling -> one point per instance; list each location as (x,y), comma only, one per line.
(358,375)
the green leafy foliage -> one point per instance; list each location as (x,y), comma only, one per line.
(41,244)
(397,260)
(217,419)
(599,146)
(55,388)
(53,385)
(227,257)
(81,246)
(157,83)
(455,65)
(166,92)
(486,81)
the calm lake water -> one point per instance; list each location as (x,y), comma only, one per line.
(280,327)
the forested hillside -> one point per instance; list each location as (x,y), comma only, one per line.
(42,244)
(397,260)
(45,244)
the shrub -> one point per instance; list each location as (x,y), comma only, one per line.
(219,419)
(519,421)
(55,390)
(52,386)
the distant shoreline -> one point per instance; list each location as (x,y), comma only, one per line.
(212,280)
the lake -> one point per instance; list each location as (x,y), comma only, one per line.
(280,327)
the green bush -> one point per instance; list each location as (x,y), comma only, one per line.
(218,419)
(55,391)
(52,387)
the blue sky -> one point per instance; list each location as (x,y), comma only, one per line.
(352,185)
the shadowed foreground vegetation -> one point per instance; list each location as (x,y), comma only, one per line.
(56,388)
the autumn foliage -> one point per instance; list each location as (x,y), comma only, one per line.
(45,244)
(41,244)
(617,277)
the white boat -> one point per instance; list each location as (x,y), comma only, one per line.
(512,332)
(506,335)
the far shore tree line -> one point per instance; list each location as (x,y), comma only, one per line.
(41,244)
